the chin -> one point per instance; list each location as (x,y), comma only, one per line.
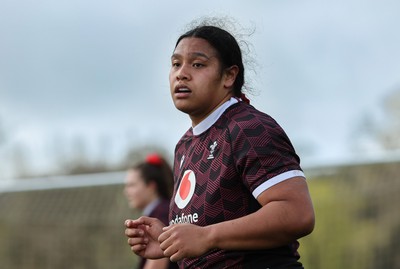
(181,106)
(183,109)
(133,205)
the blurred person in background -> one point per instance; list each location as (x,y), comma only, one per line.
(148,188)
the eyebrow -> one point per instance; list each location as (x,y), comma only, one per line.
(193,55)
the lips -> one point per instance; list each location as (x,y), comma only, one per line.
(182,88)
(182,91)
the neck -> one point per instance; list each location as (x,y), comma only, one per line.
(197,119)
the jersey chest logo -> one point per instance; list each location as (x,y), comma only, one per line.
(186,189)
(212,149)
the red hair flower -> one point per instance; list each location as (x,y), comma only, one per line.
(154,159)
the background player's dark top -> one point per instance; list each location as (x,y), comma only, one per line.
(250,149)
(161,212)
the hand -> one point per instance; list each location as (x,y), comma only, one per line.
(180,241)
(142,237)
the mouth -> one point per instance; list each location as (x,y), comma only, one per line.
(182,89)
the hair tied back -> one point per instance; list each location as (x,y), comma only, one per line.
(244,98)
(154,159)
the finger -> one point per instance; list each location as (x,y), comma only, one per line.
(162,237)
(129,223)
(138,248)
(166,228)
(137,241)
(132,223)
(167,237)
(129,232)
(169,246)
(144,220)
(169,251)
(175,257)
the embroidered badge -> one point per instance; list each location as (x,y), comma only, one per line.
(212,149)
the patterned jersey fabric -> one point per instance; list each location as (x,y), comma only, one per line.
(219,174)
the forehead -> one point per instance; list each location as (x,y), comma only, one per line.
(134,175)
(194,47)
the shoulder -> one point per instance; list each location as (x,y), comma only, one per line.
(161,211)
(186,137)
(164,203)
(246,120)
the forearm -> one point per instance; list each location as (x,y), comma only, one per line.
(267,228)
(157,264)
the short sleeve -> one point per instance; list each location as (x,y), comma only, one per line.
(263,153)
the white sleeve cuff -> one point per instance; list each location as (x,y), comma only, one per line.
(277,179)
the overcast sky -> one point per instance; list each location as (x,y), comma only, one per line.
(99,70)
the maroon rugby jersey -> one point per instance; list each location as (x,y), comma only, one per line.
(219,173)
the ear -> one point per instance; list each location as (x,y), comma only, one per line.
(152,185)
(230,74)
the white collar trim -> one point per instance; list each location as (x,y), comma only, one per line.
(213,117)
(150,207)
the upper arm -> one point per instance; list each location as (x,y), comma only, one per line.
(292,189)
(293,199)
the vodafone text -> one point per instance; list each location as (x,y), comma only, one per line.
(191,218)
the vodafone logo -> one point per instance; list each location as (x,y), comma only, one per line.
(185,189)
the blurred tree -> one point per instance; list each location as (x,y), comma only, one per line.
(364,137)
(104,146)
(79,161)
(139,153)
(73,156)
(335,234)
(389,136)
(358,224)
(20,161)
(379,132)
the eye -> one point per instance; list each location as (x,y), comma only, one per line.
(176,64)
(198,65)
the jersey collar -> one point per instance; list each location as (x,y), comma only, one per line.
(205,124)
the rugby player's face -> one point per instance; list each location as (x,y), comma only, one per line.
(197,82)
(138,193)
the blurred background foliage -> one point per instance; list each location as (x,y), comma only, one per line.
(358,221)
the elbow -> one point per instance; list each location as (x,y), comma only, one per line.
(305,224)
(301,224)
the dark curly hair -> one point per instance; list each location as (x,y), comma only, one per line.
(227,47)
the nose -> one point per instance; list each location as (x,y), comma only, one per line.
(182,73)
